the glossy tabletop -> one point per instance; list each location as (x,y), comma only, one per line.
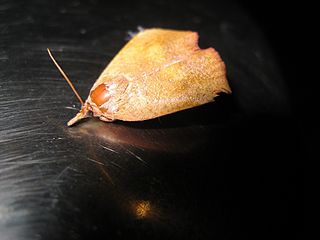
(219,170)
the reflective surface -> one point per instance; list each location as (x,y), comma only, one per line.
(223,170)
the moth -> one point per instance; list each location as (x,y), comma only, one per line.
(158,72)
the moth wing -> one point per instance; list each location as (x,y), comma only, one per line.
(192,81)
(148,51)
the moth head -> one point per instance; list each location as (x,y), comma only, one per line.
(106,97)
(98,102)
(100,95)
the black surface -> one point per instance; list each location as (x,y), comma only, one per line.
(226,170)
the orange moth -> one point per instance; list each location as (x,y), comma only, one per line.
(157,72)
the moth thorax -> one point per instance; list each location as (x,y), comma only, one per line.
(100,95)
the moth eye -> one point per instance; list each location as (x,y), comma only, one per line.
(100,95)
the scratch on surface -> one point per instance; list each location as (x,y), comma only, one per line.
(136,156)
(61,173)
(72,108)
(95,161)
(110,149)
(102,169)
(107,175)
(115,164)
(3,57)
(20,100)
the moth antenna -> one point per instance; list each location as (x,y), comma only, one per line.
(65,77)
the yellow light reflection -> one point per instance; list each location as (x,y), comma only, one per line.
(142,209)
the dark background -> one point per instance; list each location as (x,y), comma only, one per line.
(288,28)
(226,170)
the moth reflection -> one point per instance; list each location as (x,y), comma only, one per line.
(172,139)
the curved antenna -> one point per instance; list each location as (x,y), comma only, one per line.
(65,77)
